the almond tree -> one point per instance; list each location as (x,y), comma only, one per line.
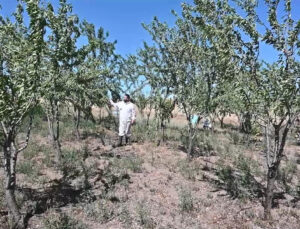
(60,62)
(159,99)
(190,59)
(172,66)
(20,59)
(95,73)
(271,90)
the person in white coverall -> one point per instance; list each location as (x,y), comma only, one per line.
(127,117)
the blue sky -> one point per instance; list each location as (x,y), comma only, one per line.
(123,18)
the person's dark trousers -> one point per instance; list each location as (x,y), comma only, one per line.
(127,140)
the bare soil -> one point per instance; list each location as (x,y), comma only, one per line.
(152,191)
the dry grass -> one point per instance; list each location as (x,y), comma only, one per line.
(145,186)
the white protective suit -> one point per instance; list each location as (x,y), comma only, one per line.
(126,116)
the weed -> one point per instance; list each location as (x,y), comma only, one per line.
(32,150)
(286,173)
(226,175)
(47,159)
(61,221)
(99,211)
(186,202)
(143,133)
(125,217)
(246,165)
(28,168)
(39,125)
(132,163)
(298,190)
(256,129)
(230,151)
(144,215)
(67,128)
(71,161)
(250,214)
(235,137)
(173,133)
(189,169)
(88,125)
(109,122)
(204,143)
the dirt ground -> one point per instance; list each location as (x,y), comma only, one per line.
(146,186)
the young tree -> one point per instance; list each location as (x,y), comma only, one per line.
(272,90)
(20,58)
(60,62)
(192,58)
(159,99)
(95,73)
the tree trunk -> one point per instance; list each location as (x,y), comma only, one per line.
(57,141)
(53,126)
(245,123)
(159,131)
(89,114)
(10,159)
(11,151)
(163,131)
(190,141)
(190,147)
(149,114)
(77,122)
(18,219)
(221,119)
(274,155)
(271,176)
(159,135)
(148,117)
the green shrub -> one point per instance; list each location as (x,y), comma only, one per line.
(142,132)
(204,143)
(239,183)
(71,163)
(225,174)
(246,165)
